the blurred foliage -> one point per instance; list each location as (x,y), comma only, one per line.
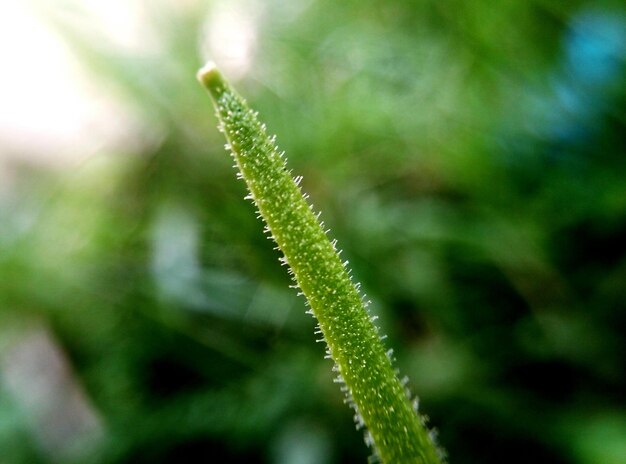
(469,157)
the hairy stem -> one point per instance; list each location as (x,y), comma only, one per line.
(362,363)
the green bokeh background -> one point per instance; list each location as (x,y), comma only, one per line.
(469,156)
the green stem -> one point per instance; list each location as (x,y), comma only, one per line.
(362,363)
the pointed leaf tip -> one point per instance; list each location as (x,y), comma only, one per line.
(205,70)
(211,78)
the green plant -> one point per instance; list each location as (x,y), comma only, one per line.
(364,367)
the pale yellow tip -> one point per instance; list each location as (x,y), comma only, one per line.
(205,70)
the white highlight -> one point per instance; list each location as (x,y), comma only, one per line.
(50,113)
(231,33)
(203,71)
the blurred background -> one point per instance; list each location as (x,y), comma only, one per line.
(469,156)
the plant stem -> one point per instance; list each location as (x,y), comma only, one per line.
(363,365)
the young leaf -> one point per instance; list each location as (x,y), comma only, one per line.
(363,366)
